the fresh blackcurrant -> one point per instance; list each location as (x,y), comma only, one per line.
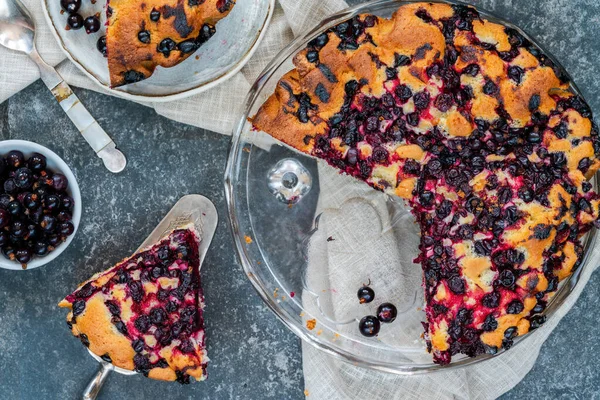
(387,312)
(369,326)
(23,256)
(37,162)
(59,182)
(4,218)
(51,202)
(15,159)
(75,21)
(31,201)
(5,199)
(10,186)
(91,24)
(365,295)
(14,208)
(23,178)
(66,228)
(70,6)
(101,45)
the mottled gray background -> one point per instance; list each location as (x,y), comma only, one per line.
(253,355)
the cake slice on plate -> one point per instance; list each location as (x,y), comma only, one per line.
(479,131)
(142,35)
(145,313)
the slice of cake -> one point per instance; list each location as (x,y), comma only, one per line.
(479,131)
(142,35)
(145,313)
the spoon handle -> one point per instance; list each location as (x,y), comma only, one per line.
(91,131)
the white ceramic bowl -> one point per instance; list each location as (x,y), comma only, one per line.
(236,39)
(55,164)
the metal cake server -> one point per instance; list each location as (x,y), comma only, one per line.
(191,208)
(17,32)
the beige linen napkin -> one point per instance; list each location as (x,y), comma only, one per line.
(325,377)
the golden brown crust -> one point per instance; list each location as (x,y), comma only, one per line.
(186,23)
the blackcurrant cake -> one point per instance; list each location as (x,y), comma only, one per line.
(146,312)
(142,35)
(479,132)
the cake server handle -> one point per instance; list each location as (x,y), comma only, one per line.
(93,133)
(93,388)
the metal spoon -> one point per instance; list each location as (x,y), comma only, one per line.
(192,208)
(17,32)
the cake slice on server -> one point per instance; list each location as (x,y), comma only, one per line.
(142,35)
(146,312)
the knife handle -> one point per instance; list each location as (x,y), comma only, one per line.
(92,132)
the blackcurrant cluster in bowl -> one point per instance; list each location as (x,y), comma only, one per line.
(35,209)
(75,21)
(386,312)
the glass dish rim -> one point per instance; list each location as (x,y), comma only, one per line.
(567,286)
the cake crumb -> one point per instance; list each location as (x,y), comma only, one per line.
(336,336)
(311,323)
(306,393)
(319,331)
(248,239)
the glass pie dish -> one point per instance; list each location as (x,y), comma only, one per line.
(309,238)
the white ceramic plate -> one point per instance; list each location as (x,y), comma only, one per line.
(237,37)
(56,164)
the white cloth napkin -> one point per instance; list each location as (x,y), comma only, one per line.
(216,110)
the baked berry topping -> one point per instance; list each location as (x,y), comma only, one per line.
(160,315)
(166,46)
(133,76)
(154,15)
(144,36)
